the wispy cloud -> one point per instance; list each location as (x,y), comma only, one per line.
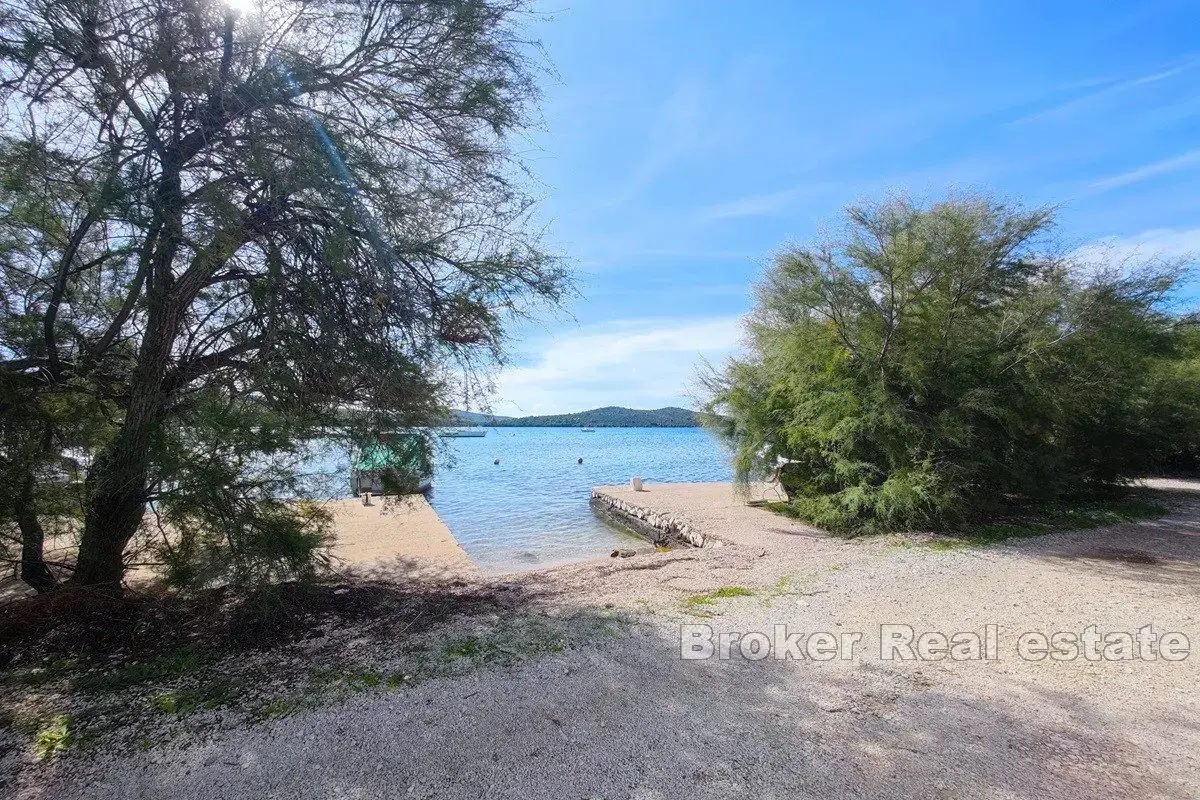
(1165,167)
(639,363)
(690,253)
(1167,244)
(677,131)
(758,205)
(829,195)
(1109,89)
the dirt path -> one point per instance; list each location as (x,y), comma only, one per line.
(625,717)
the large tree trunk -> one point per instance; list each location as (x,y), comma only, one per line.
(119,477)
(33,562)
(114,512)
(118,480)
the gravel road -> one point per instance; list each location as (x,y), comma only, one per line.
(627,717)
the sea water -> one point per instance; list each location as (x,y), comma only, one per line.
(532,509)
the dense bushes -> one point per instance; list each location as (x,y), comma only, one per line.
(935,361)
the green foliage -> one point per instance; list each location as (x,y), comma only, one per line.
(42,433)
(523,639)
(1019,521)
(471,648)
(1173,402)
(55,737)
(279,707)
(50,672)
(209,694)
(170,702)
(272,237)
(231,508)
(934,362)
(168,666)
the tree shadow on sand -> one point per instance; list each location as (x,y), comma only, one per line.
(1164,552)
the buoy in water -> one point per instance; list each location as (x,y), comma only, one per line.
(579,461)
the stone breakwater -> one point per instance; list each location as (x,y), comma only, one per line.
(657,526)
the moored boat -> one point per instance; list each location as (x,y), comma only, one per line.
(462,433)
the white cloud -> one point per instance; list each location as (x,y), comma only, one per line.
(1164,167)
(636,363)
(1165,244)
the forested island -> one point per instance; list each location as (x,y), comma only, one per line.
(607,417)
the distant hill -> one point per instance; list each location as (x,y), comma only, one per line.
(607,417)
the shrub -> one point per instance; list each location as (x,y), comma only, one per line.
(937,360)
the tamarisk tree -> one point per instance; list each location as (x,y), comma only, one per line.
(244,223)
(933,363)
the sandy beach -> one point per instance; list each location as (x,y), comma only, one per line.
(392,537)
(397,534)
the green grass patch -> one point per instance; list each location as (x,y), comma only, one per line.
(483,650)
(168,666)
(55,737)
(471,647)
(785,585)
(325,684)
(399,680)
(521,639)
(725,592)
(171,702)
(51,671)
(211,694)
(279,707)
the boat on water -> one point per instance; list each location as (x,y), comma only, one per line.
(401,464)
(461,433)
(588,429)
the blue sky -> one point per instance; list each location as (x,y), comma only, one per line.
(683,141)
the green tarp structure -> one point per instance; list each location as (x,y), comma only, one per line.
(406,454)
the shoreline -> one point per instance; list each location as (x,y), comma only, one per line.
(395,534)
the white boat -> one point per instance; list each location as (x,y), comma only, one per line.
(461,433)
(586,429)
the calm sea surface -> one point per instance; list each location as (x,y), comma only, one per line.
(532,509)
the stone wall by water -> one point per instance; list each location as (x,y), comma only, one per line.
(657,526)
